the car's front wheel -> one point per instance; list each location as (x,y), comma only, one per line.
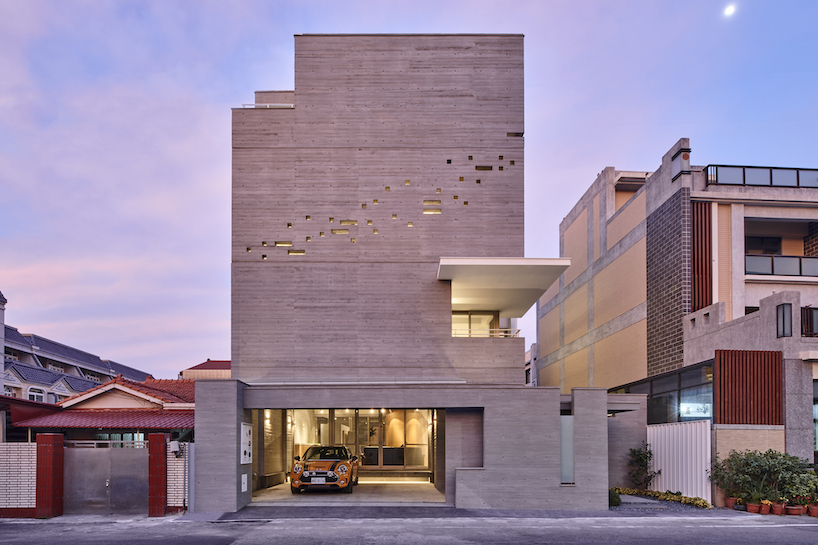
(295,489)
(349,489)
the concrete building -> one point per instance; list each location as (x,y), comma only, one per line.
(694,285)
(377,273)
(208,369)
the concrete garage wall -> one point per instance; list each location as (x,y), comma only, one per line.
(520,432)
(626,430)
(219,413)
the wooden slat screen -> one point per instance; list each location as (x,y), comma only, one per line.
(701,260)
(747,387)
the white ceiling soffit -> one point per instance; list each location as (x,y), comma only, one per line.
(508,284)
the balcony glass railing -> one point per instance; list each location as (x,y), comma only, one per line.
(781,265)
(762,176)
(485,332)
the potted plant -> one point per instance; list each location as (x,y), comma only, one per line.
(765,507)
(813,510)
(778,506)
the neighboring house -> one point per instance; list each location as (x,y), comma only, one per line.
(122,410)
(377,275)
(698,286)
(39,369)
(531,364)
(208,369)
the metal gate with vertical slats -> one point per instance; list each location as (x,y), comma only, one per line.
(99,479)
(682,452)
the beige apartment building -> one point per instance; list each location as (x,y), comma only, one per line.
(377,275)
(695,285)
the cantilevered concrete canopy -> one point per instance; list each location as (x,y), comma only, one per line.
(508,284)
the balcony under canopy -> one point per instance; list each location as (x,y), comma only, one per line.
(510,285)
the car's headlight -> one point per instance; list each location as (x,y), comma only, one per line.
(342,469)
(297,468)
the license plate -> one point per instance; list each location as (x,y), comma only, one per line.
(318,480)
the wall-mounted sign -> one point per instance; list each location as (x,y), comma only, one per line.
(246,443)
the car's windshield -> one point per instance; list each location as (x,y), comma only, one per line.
(326,453)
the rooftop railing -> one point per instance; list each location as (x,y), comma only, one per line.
(485,332)
(781,265)
(762,176)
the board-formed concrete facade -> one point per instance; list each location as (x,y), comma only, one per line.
(356,199)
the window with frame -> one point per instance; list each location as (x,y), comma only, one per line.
(36,394)
(475,323)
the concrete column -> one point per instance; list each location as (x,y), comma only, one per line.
(798,423)
(219,413)
(590,409)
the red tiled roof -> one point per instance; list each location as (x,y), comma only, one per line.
(184,389)
(143,419)
(169,390)
(212,364)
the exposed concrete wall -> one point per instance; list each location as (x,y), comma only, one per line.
(626,430)
(425,112)
(627,220)
(218,473)
(576,246)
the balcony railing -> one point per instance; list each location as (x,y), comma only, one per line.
(762,176)
(781,265)
(485,332)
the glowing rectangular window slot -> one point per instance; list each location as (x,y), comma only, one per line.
(501,157)
(431,211)
(369,222)
(248,250)
(289,225)
(349,222)
(394,216)
(431,203)
(409,224)
(363,205)
(374,231)
(514,135)
(455,197)
(387,188)
(499,168)
(407,182)
(478,182)
(374,201)
(448,161)
(264,243)
(309,218)
(511,162)
(461,179)
(352,240)
(263,257)
(332,220)
(296,252)
(437,190)
(483,167)
(340,231)
(284,243)
(321,234)
(309,239)
(465,203)
(470,157)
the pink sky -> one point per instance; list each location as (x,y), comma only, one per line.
(115,134)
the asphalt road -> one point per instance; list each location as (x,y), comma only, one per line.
(718,527)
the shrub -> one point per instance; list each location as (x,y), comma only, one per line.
(613,498)
(754,475)
(639,466)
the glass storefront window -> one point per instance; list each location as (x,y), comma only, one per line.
(418,429)
(666,384)
(381,438)
(696,403)
(701,375)
(663,408)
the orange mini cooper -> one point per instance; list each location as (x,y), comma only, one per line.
(324,467)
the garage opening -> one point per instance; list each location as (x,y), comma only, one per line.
(394,450)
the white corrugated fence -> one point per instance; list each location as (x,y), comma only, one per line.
(682,452)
